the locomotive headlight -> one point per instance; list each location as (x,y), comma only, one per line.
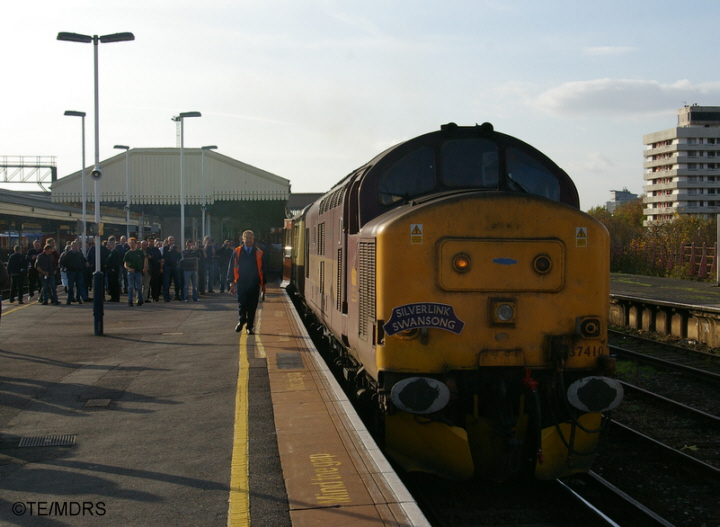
(461,263)
(502,311)
(505,312)
(542,264)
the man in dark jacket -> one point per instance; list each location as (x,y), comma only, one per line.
(113,265)
(171,269)
(74,264)
(154,258)
(47,268)
(17,268)
(224,254)
(34,282)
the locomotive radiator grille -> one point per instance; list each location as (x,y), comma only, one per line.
(338,288)
(366,285)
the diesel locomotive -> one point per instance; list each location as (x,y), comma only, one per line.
(464,296)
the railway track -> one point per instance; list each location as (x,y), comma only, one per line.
(664,444)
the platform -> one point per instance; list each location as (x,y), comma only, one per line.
(688,292)
(172,418)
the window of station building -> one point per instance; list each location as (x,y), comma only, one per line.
(410,176)
(529,175)
(471,163)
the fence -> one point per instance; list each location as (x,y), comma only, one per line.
(686,260)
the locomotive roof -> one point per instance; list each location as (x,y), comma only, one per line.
(454,158)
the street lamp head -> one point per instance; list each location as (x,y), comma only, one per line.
(189,114)
(74,113)
(117,37)
(74,37)
(77,37)
(121,147)
(213,147)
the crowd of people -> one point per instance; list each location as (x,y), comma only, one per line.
(143,270)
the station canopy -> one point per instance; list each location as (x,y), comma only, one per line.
(154,177)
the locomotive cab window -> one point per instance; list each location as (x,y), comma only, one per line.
(410,176)
(527,174)
(470,163)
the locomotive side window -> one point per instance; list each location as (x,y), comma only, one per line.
(410,176)
(470,163)
(527,174)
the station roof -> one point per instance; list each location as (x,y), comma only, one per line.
(37,206)
(154,177)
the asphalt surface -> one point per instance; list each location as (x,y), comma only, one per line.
(150,406)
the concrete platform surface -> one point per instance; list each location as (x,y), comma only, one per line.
(690,292)
(172,418)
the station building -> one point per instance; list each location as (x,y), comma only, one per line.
(235,195)
(682,166)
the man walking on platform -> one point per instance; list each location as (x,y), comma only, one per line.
(246,274)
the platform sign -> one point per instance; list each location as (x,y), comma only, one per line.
(416,234)
(581,237)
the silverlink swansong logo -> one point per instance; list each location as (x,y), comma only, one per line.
(423,315)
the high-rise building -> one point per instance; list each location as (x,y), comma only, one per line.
(619,197)
(682,166)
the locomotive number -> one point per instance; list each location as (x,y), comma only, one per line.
(587,351)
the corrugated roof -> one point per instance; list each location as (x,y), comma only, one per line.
(155,179)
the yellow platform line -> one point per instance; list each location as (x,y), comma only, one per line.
(260,352)
(239,499)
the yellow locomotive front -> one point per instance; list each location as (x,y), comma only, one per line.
(461,289)
(492,305)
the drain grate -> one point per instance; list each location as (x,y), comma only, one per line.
(64,440)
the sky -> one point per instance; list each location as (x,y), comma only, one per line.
(309,90)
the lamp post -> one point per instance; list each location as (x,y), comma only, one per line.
(127,188)
(96,174)
(180,118)
(83,242)
(204,206)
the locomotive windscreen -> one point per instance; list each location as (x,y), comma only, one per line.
(466,163)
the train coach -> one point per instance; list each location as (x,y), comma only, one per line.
(464,297)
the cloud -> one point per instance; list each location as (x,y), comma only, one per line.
(597,162)
(599,51)
(622,97)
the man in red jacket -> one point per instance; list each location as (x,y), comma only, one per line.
(246,275)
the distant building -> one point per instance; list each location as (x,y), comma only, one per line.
(233,195)
(682,166)
(618,198)
(298,201)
